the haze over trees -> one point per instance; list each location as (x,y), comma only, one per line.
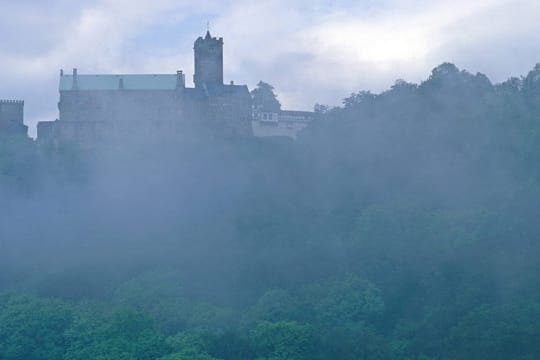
(400,225)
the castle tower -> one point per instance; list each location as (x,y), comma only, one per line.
(208,61)
(12,117)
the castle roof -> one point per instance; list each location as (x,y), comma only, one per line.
(220,89)
(111,82)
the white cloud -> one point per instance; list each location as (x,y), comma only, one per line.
(312,52)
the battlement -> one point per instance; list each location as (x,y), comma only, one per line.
(18,102)
(208,39)
(12,117)
(12,110)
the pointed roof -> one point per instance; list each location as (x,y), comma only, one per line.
(208,36)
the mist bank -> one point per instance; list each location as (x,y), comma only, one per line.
(398,226)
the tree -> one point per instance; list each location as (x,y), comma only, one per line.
(33,329)
(321,108)
(190,346)
(158,294)
(284,340)
(496,332)
(264,98)
(188,355)
(349,299)
(274,305)
(126,335)
(360,98)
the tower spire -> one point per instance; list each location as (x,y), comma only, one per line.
(208,36)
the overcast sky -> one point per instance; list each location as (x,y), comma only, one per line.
(312,51)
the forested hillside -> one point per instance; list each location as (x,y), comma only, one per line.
(400,225)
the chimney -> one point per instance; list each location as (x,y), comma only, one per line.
(75,85)
(180,84)
(232,83)
(61,72)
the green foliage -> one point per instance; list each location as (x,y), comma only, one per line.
(211,317)
(190,345)
(124,335)
(158,294)
(496,332)
(284,340)
(350,341)
(349,299)
(274,305)
(188,355)
(33,329)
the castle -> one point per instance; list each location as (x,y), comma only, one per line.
(97,107)
(11,117)
(92,107)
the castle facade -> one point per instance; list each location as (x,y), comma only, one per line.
(280,123)
(92,107)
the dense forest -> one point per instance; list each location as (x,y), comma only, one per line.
(400,225)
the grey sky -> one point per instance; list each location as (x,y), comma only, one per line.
(311,51)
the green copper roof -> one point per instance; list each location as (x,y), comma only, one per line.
(127,82)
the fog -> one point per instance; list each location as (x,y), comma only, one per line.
(400,225)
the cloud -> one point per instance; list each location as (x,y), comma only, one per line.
(311,51)
(341,49)
(321,51)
